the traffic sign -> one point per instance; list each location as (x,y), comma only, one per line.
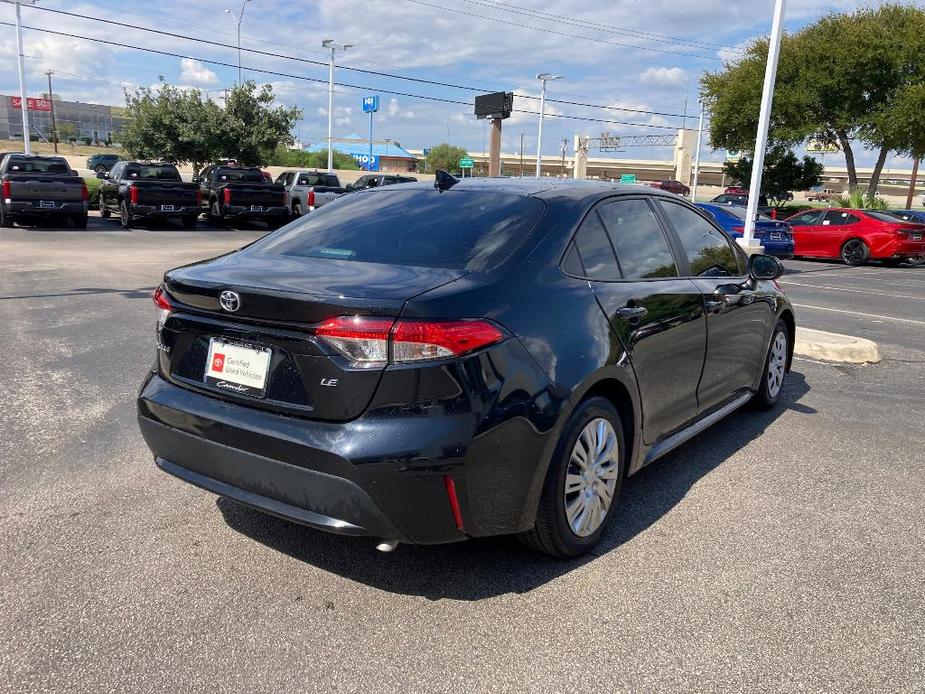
(370,104)
(628,178)
(466,163)
(733,156)
(365,163)
(427,151)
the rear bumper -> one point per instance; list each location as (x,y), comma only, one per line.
(27,209)
(155,211)
(901,249)
(233,212)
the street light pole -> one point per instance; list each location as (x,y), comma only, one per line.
(329,43)
(747,239)
(24,102)
(522,154)
(51,102)
(697,156)
(240,19)
(543,77)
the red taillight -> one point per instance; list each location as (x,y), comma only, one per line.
(226,196)
(311,199)
(160,299)
(84,193)
(7,194)
(133,195)
(370,342)
(198,198)
(739,230)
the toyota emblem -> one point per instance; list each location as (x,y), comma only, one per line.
(230,301)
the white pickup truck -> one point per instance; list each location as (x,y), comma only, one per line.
(307,190)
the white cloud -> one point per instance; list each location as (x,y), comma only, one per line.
(195,72)
(396,111)
(664,77)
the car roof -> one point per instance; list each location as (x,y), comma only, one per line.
(545,188)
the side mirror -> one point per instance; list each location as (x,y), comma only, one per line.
(74,173)
(195,179)
(764,267)
(102,174)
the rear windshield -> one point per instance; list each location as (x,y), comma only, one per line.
(41,166)
(236,175)
(739,213)
(319,179)
(475,230)
(166,172)
(882,216)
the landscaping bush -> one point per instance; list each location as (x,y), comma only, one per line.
(93,188)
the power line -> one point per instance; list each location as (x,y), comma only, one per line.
(599,26)
(377,73)
(322,81)
(582,37)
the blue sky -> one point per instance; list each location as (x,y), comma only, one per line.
(633,54)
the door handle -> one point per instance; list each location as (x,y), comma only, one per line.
(632,311)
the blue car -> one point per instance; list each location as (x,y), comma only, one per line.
(774,236)
(909,215)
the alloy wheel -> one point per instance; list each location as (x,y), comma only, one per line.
(777,363)
(853,252)
(591,477)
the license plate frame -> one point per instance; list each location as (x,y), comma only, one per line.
(246,375)
(47,204)
(917,236)
(167,208)
(256,208)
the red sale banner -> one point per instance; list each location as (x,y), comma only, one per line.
(31,104)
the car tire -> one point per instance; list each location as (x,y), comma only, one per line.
(105,212)
(189,222)
(6,221)
(215,216)
(775,369)
(297,210)
(79,221)
(100,169)
(854,252)
(124,215)
(571,521)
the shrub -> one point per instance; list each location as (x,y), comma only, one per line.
(93,188)
(859,200)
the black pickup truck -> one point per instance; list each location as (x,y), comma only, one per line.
(150,191)
(241,193)
(41,188)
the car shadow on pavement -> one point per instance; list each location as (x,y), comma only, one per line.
(141,293)
(487,567)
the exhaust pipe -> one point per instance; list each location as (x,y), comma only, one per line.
(387,545)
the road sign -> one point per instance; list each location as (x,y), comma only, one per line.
(370,104)
(494,105)
(466,163)
(733,156)
(31,104)
(427,151)
(628,178)
(366,163)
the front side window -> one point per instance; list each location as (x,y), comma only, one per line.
(641,247)
(709,253)
(806,219)
(838,218)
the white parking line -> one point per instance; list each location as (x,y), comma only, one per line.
(856,291)
(858,313)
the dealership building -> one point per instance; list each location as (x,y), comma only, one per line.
(95,121)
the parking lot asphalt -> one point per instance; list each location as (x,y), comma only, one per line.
(778,551)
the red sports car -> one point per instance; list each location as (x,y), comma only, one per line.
(856,236)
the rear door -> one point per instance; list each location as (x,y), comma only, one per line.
(837,227)
(656,314)
(738,326)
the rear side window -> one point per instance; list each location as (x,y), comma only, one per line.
(642,250)
(836,218)
(806,219)
(595,252)
(709,252)
(475,230)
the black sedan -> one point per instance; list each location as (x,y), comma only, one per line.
(426,363)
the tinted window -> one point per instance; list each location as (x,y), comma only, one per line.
(571,264)
(595,251)
(239,175)
(475,230)
(318,179)
(740,212)
(882,216)
(837,218)
(806,219)
(39,166)
(708,251)
(166,172)
(642,250)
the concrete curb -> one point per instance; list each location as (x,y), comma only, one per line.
(817,344)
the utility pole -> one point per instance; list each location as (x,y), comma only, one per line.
(544,77)
(764,121)
(915,174)
(329,43)
(564,149)
(522,155)
(24,105)
(697,156)
(51,100)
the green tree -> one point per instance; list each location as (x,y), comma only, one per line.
(783,173)
(252,127)
(66,131)
(839,80)
(445,156)
(282,156)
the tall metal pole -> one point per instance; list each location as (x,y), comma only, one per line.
(51,100)
(370,162)
(521,155)
(539,134)
(331,111)
(24,105)
(697,156)
(764,120)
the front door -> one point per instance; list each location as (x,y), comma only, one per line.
(804,228)
(657,315)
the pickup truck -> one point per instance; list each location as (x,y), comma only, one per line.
(35,188)
(241,193)
(307,190)
(141,190)
(377,180)
(821,194)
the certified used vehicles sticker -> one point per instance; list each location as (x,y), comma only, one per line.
(238,368)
